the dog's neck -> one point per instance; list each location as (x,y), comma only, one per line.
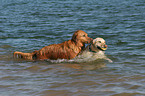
(78,46)
(93,49)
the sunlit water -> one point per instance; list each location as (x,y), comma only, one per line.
(28,25)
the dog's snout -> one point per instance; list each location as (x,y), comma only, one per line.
(90,40)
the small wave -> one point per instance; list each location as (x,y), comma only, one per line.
(66,61)
(77,60)
(60,61)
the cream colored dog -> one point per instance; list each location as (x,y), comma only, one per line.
(94,51)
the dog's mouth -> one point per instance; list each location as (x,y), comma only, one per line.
(102,48)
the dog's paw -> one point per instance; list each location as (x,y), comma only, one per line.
(109,60)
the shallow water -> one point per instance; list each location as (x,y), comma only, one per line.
(30,25)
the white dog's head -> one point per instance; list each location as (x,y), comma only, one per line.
(99,43)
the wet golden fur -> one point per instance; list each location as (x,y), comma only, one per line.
(66,50)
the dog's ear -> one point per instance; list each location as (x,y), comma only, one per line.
(74,37)
(94,41)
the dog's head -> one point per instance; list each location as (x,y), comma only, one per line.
(99,43)
(81,36)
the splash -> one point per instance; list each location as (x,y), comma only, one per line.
(60,61)
(80,60)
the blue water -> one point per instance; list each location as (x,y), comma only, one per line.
(28,25)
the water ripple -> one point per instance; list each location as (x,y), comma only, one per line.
(30,25)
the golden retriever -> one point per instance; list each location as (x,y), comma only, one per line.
(96,50)
(66,50)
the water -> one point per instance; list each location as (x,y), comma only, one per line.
(27,25)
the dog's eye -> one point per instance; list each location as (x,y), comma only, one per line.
(84,36)
(99,41)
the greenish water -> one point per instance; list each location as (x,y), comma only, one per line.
(27,25)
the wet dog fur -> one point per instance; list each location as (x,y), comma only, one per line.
(94,51)
(66,50)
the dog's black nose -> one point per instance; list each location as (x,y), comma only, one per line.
(105,46)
